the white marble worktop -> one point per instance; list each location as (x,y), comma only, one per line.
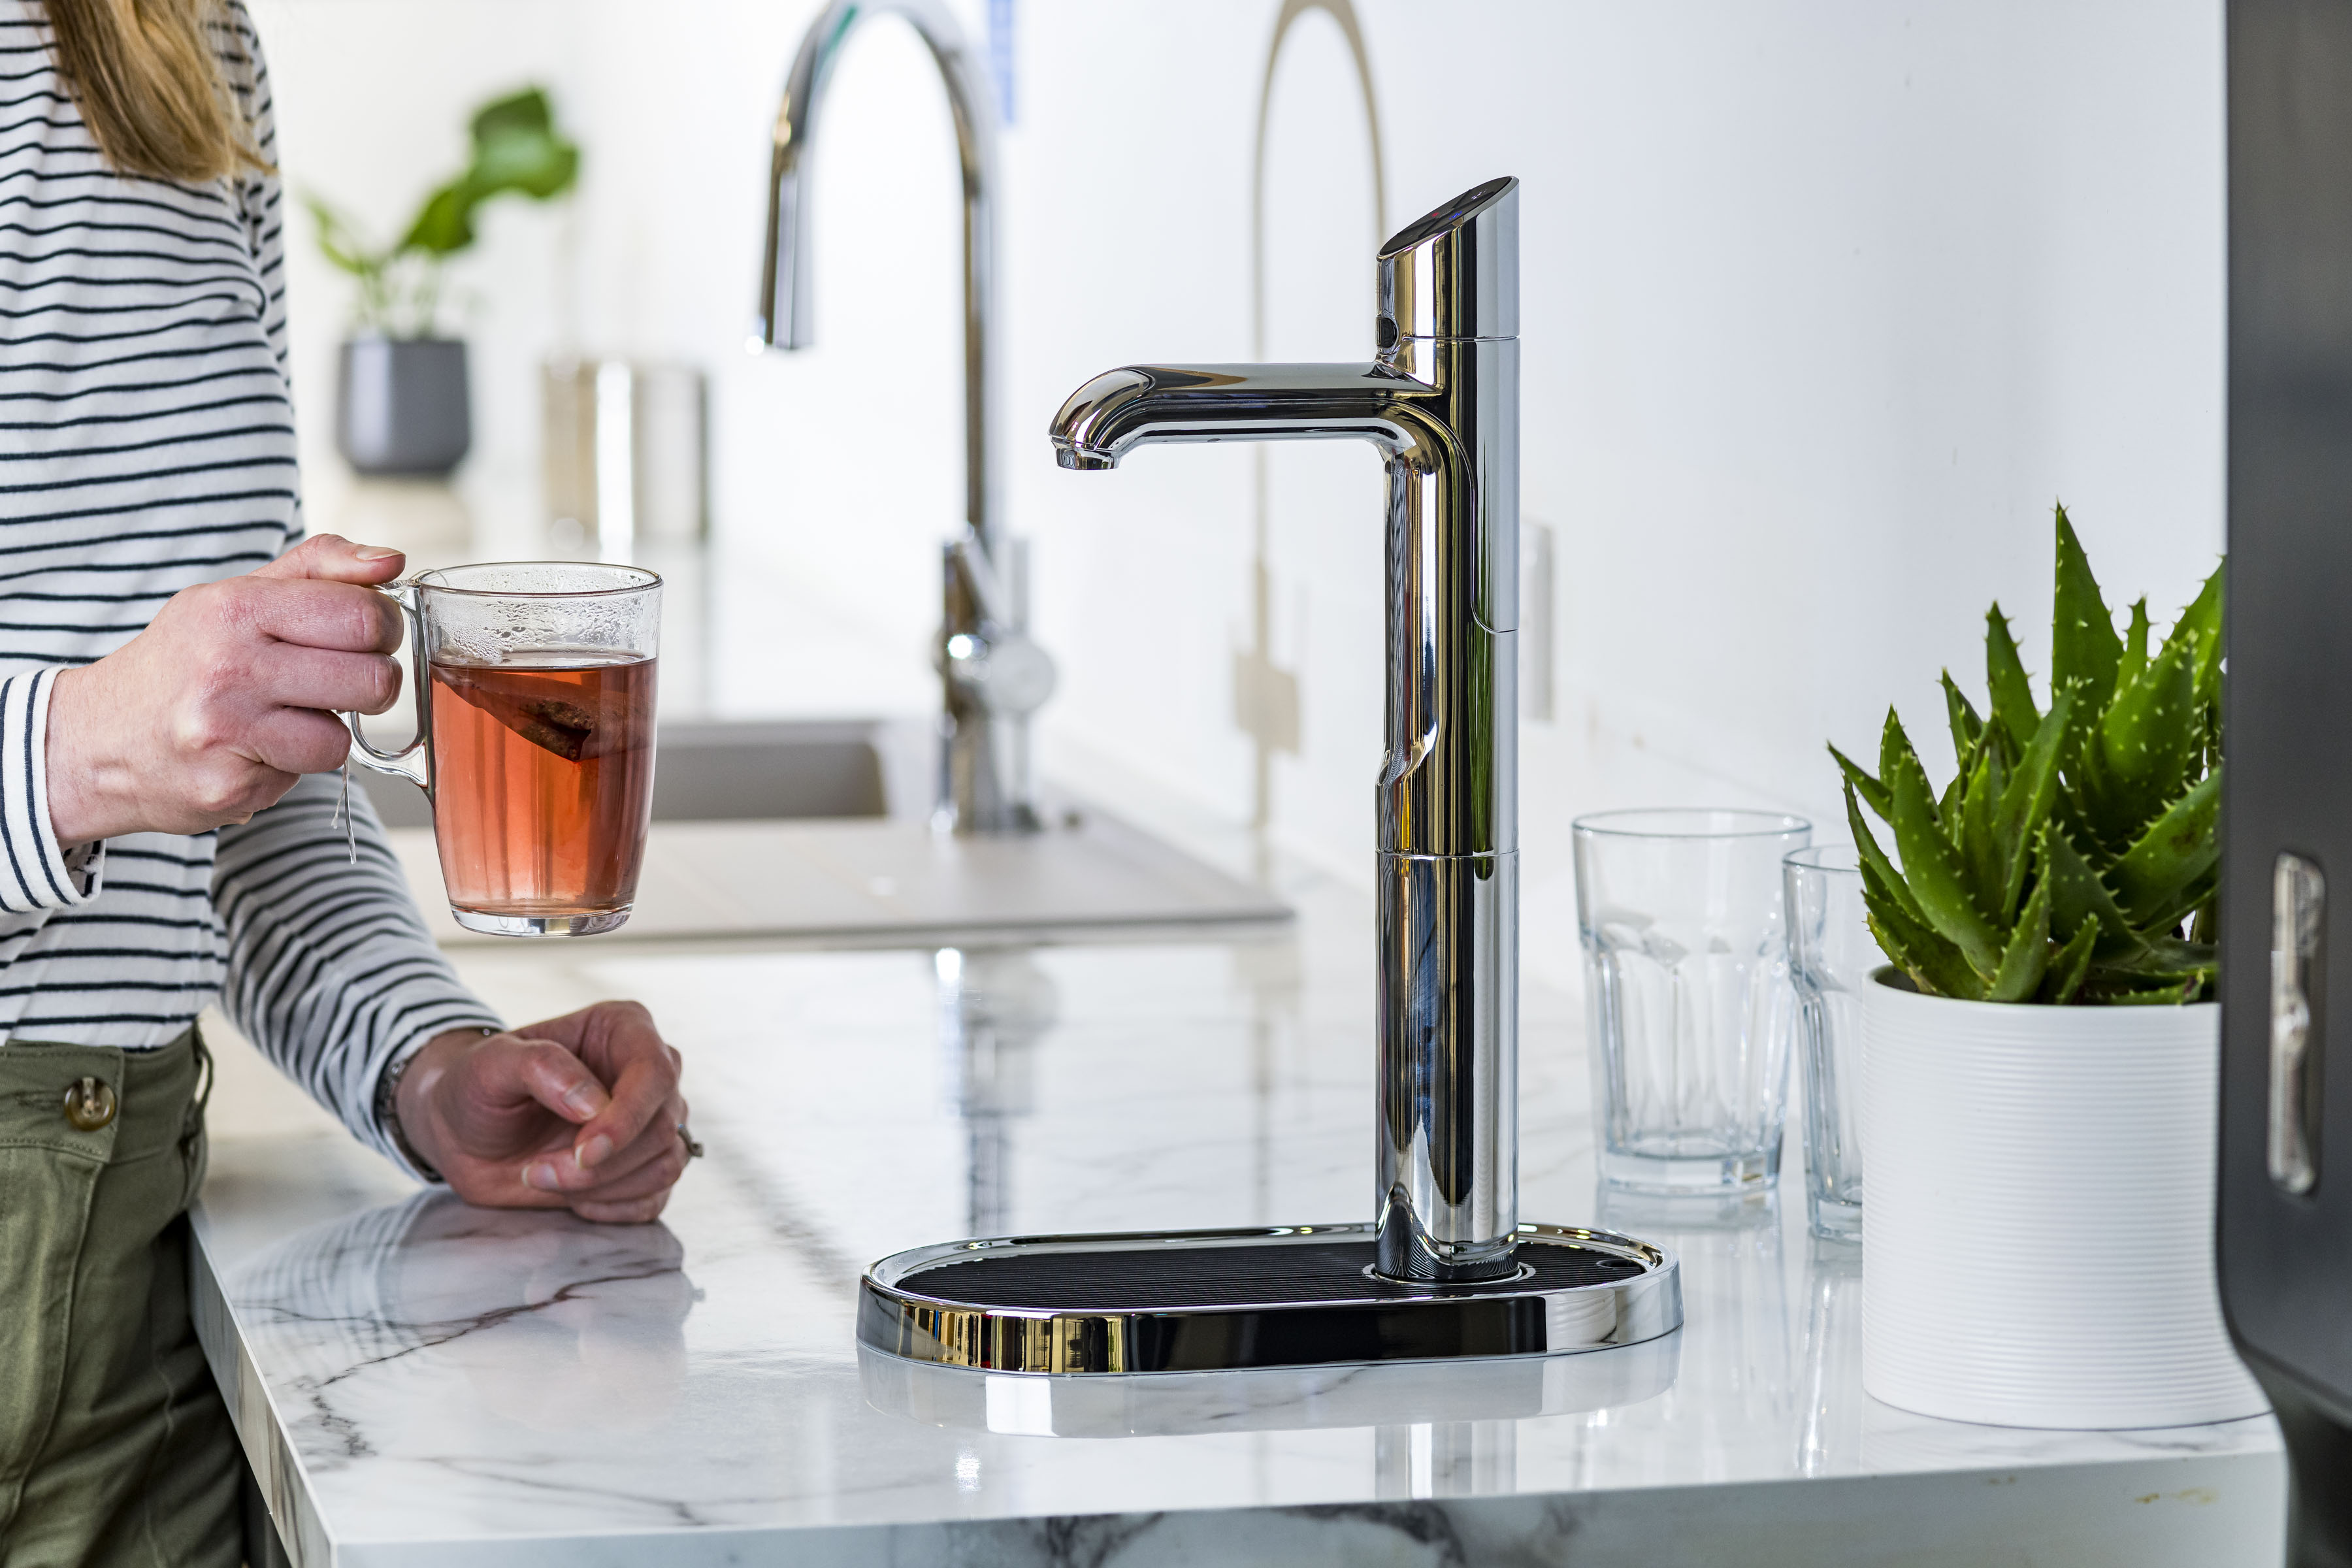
(421,1382)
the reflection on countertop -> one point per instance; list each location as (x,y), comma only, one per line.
(453,1386)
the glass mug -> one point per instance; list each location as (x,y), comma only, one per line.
(534,740)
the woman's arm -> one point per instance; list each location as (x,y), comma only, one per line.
(331,970)
(332,974)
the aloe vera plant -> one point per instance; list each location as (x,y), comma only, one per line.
(2074,857)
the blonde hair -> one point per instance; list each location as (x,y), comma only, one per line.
(145,76)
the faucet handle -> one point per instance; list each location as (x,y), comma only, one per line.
(1455,272)
(1005,671)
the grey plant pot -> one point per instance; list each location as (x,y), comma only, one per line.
(401,406)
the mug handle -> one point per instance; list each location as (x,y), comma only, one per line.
(411,762)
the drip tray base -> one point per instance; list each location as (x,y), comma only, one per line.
(1223,1299)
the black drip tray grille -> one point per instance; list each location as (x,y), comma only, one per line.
(1158,1279)
(1212,1300)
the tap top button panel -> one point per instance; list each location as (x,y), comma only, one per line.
(1455,273)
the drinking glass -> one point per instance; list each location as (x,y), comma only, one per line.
(534,740)
(1831,957)
(1686,993)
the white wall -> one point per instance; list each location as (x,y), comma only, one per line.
(1826,301)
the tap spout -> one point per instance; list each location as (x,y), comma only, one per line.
(1116,412)
(1453,548)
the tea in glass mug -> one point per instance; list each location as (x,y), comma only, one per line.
(534,741)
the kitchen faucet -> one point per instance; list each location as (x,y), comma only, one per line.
(1441,403)
(994,675)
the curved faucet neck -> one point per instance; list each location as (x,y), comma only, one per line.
(786,314)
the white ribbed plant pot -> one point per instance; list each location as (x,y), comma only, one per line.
(2038,1233)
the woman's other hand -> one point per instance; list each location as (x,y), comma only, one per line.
(580,1112)
(228,696)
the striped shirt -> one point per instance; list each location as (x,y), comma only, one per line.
(147,446)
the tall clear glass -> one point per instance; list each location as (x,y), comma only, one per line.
(1686,993)
(1831,957)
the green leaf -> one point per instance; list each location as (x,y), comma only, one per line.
(2069,814)
(445,223)
(2148,740)
(1932,866)
(1981,856)
(2012,693)
(1892,744)
(516,146)
(2125,995)
(2170,958)
(2179,848)
(2079,898)
(2026,959)
(524,113)
(1878,872)
(1934,964)
(1870,789)
(2064,979)
(2202,622)
(535,166)
(1966,725)
(337,242)
(2025,803)
(2083,643)
(2134,657)
(2194,902)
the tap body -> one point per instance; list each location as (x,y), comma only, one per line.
(993,677)
(1441,405)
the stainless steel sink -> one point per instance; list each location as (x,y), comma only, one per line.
(821,830)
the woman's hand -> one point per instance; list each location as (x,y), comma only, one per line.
(580,1112)
(212,712)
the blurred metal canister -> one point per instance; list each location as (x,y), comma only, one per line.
(627,454)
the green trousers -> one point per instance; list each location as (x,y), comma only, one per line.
(115,1448)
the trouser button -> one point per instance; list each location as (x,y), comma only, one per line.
(90,1103)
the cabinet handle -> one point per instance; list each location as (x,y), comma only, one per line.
(2298,916)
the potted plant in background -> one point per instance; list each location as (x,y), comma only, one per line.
(401,405)
(2041,1059)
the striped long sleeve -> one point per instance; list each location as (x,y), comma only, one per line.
(331,970)
(36,872)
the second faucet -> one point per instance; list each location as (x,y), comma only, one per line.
(994,675)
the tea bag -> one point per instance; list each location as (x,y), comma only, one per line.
(541,709)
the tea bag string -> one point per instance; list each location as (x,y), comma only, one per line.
(343,812)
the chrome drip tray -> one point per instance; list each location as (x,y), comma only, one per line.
(1268,1399)
(1219,1300)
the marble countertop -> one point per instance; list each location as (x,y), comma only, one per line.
(421,1382)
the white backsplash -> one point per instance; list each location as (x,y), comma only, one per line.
(1824,303)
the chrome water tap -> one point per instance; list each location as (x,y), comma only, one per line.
(995,677)
(1442,405)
